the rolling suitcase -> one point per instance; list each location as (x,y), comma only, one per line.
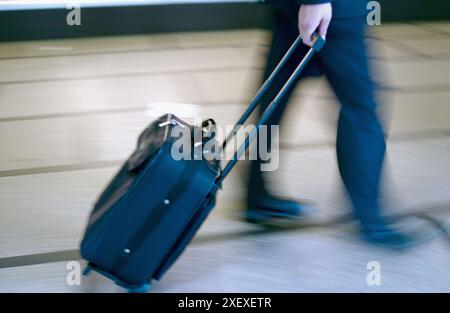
(153,207)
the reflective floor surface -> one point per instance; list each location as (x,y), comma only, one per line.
(71,110)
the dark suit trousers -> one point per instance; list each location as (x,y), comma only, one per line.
(360,141)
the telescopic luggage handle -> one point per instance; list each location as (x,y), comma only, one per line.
(319,42)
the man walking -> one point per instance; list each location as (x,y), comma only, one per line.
(360,137)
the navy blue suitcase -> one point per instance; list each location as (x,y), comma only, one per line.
(155,204)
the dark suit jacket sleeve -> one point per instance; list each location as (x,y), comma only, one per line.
(341,8)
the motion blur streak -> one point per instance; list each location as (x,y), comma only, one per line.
(91,98)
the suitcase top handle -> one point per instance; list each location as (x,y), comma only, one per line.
(319,42)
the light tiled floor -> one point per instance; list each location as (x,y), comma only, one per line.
(70,112)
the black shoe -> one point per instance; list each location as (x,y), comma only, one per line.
(385,236)
(268,208)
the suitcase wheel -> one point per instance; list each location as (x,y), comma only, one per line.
(131,288)
(144,288)
(87,270)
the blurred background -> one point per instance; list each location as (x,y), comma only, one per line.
(73,100)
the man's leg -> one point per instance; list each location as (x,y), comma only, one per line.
(360,137)
(258,198)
